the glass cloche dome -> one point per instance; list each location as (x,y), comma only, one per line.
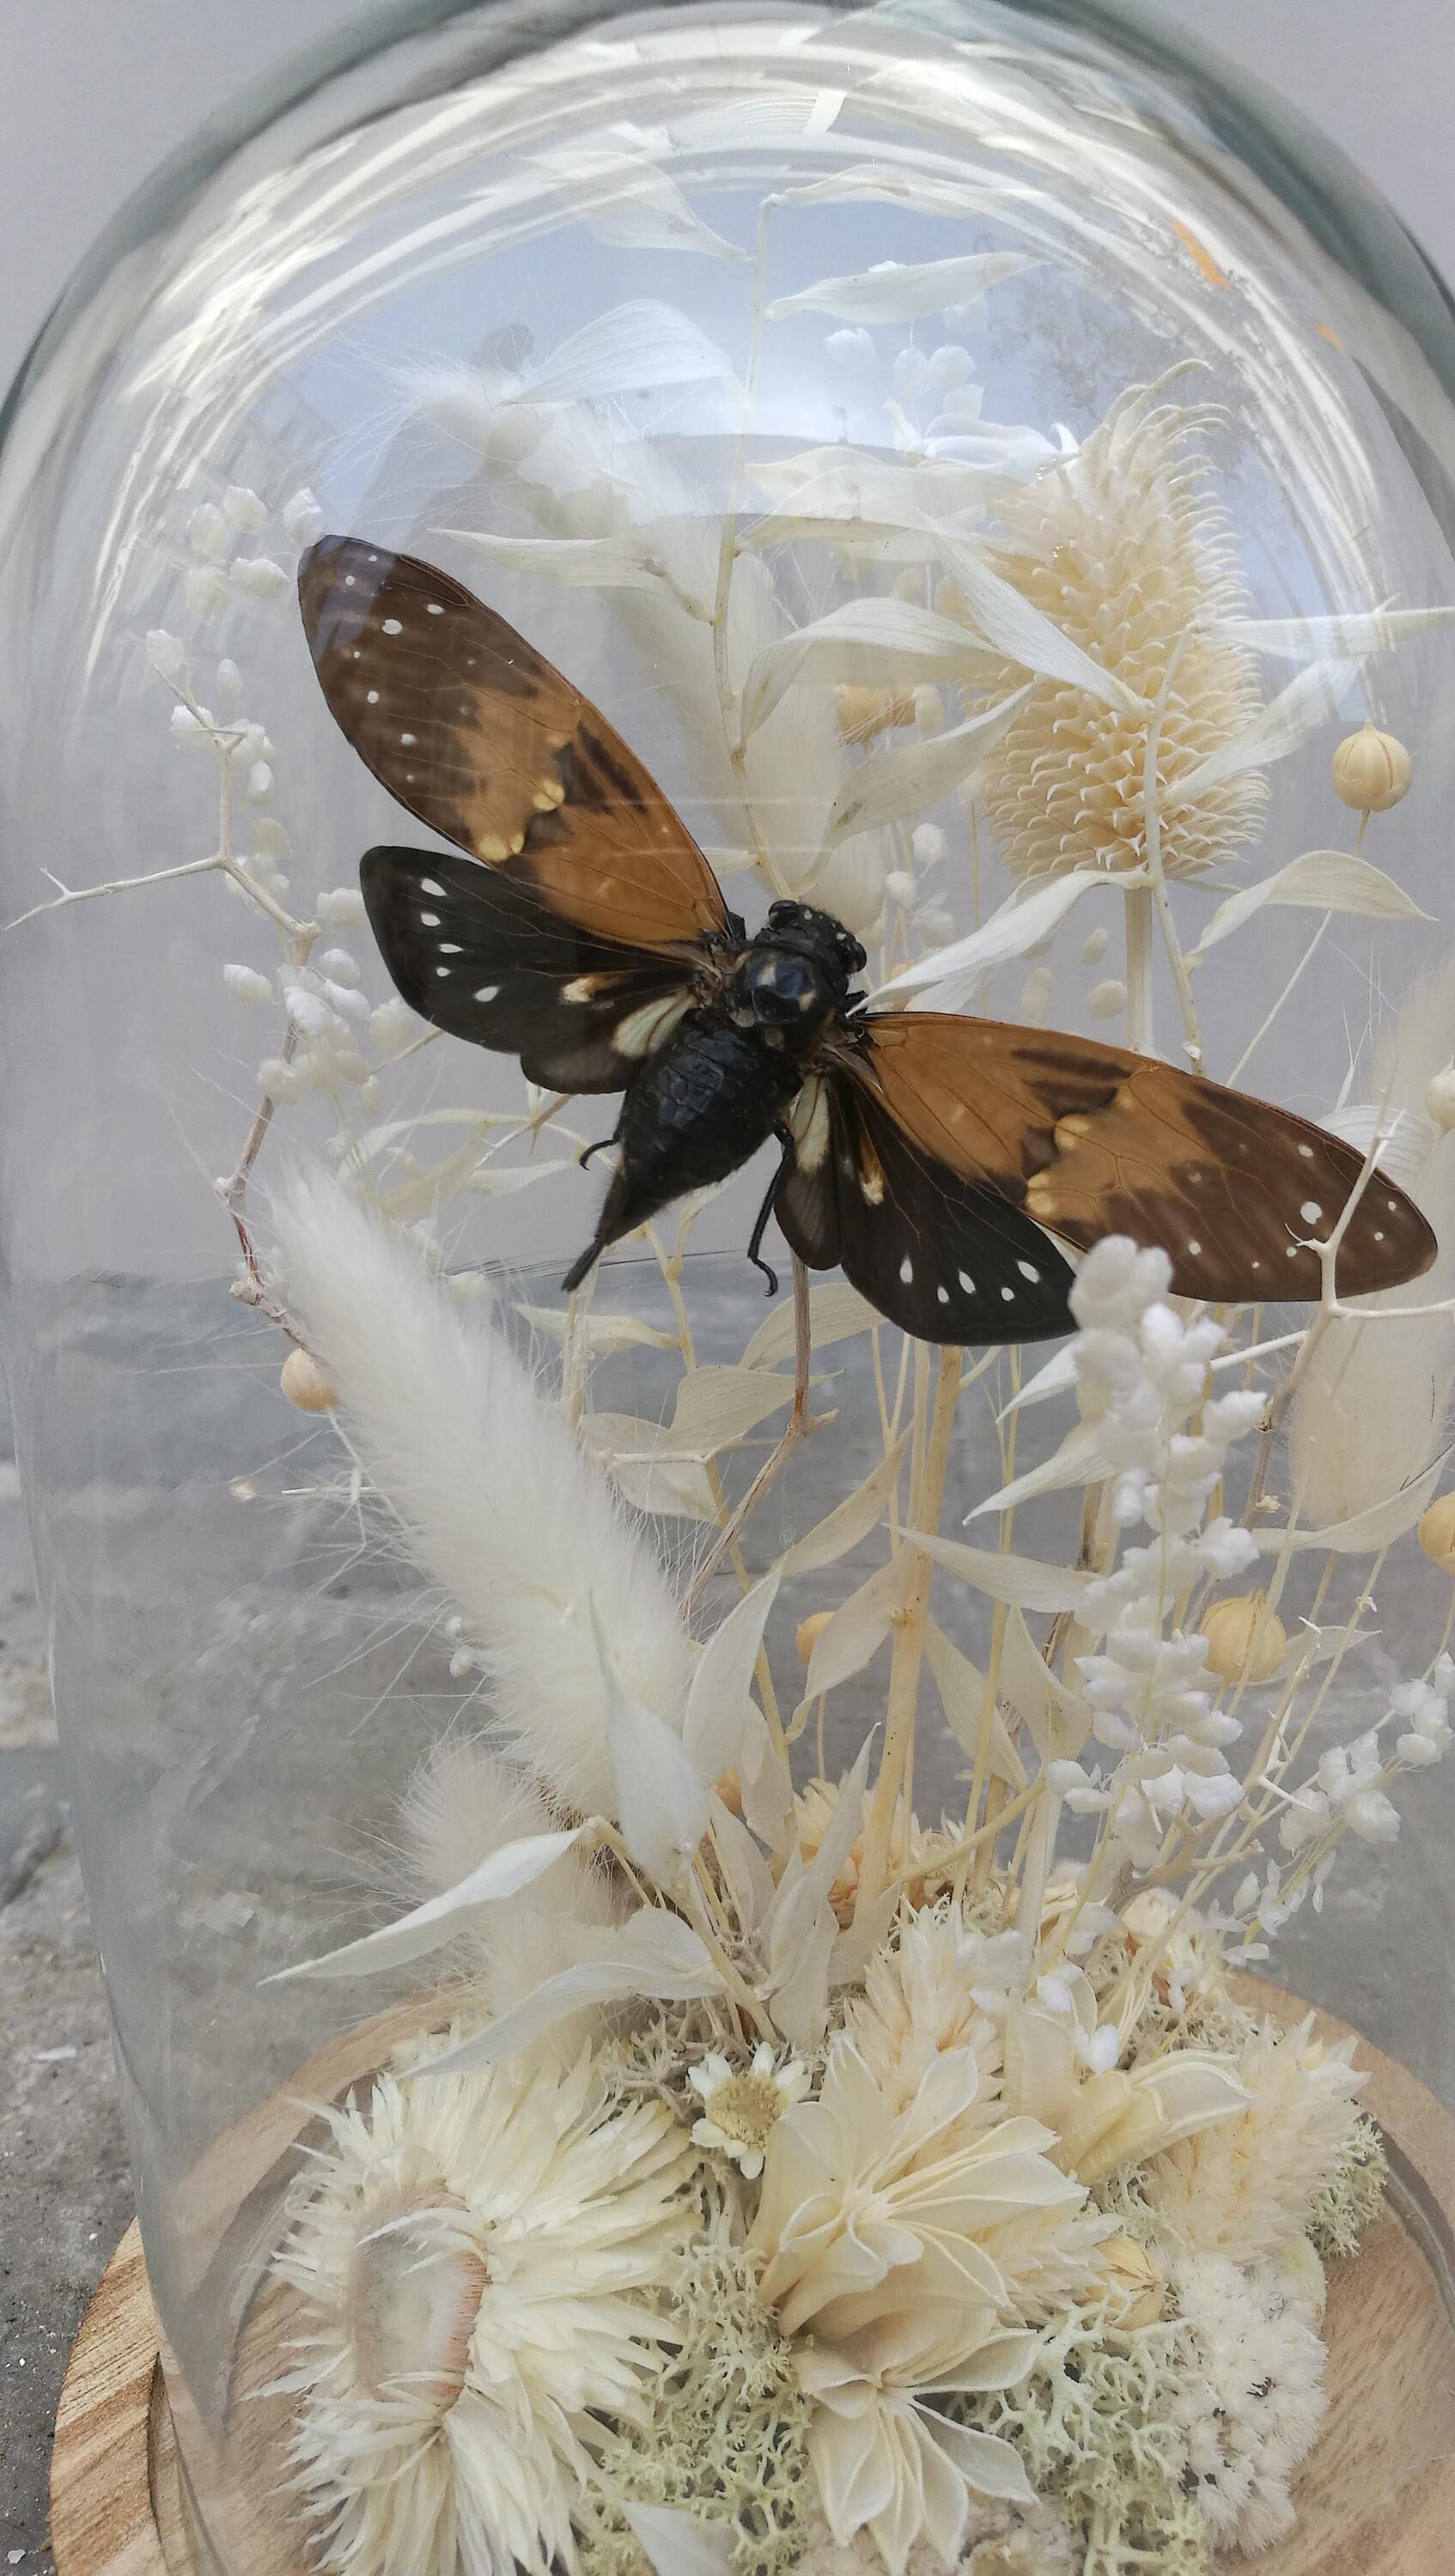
(753,1932)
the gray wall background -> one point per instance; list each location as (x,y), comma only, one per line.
(93,93)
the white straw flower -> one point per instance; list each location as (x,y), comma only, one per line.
(927,1995)
(1246,2185)
(479,2261)
(741,2105)
(1120,545)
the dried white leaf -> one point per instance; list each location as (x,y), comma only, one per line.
(970,1709)
(1326,881)
(856,1630)
(1056,1378)
(1279,728)
(867,641)
(849,1521)
(905,778)
(622,561)
(661,1796)
(625,198)
(677,2543)
(603,1331)
(1351,633)
(1020,925)
(1368,1531)
(719,1700)
(1407,1141)
(1025,635)
(835,1311)
(716,1405)
(1080,1460)
(1023,1580)
(654,1954)
(503,1180)
(902,294)
(636,344)
(433,1925)
(648,1473)
(1055,1718)
(848,484)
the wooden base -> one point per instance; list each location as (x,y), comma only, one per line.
(1376,2497)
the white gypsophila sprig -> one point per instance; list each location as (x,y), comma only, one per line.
(1142,1381)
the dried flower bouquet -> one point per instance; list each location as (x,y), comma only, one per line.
(802,2185)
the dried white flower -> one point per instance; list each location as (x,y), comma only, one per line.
(741,2104)
(1243,2187)
(479,2255)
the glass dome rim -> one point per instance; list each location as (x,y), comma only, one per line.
(1321,185)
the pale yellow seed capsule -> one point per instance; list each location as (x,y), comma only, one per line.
(1436,1533)
(304,1384)
(809,1632)
(863,713)
(1245,1639)
(1135,2278)
(1371,771)
(1440,1098)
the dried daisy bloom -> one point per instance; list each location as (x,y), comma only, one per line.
(741,2104)
(1245,2187)
(479,2256)
(1121,546)
(920,1999)
(903,2256)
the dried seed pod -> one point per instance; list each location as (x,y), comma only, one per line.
(1436,1533)
(1245,1639)
(1371,771)
(304,1383)
(1440,1097)
(864,712)
(809,1632)
(1135,2279)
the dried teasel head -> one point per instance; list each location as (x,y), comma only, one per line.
(1124,549)
(1436,1533)
(1246,1641)
(1371,771)
(307,1385)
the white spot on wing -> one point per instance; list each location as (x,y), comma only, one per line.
(392,626)
(906,1270)
(1009,1295)
(488,993)
(1311,1211)
(966,1282)
(431,920)
(1028,1270)
(427,885)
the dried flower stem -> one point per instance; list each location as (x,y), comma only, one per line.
(799,1425)
(927,1489)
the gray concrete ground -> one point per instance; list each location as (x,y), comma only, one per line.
(65,2195)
